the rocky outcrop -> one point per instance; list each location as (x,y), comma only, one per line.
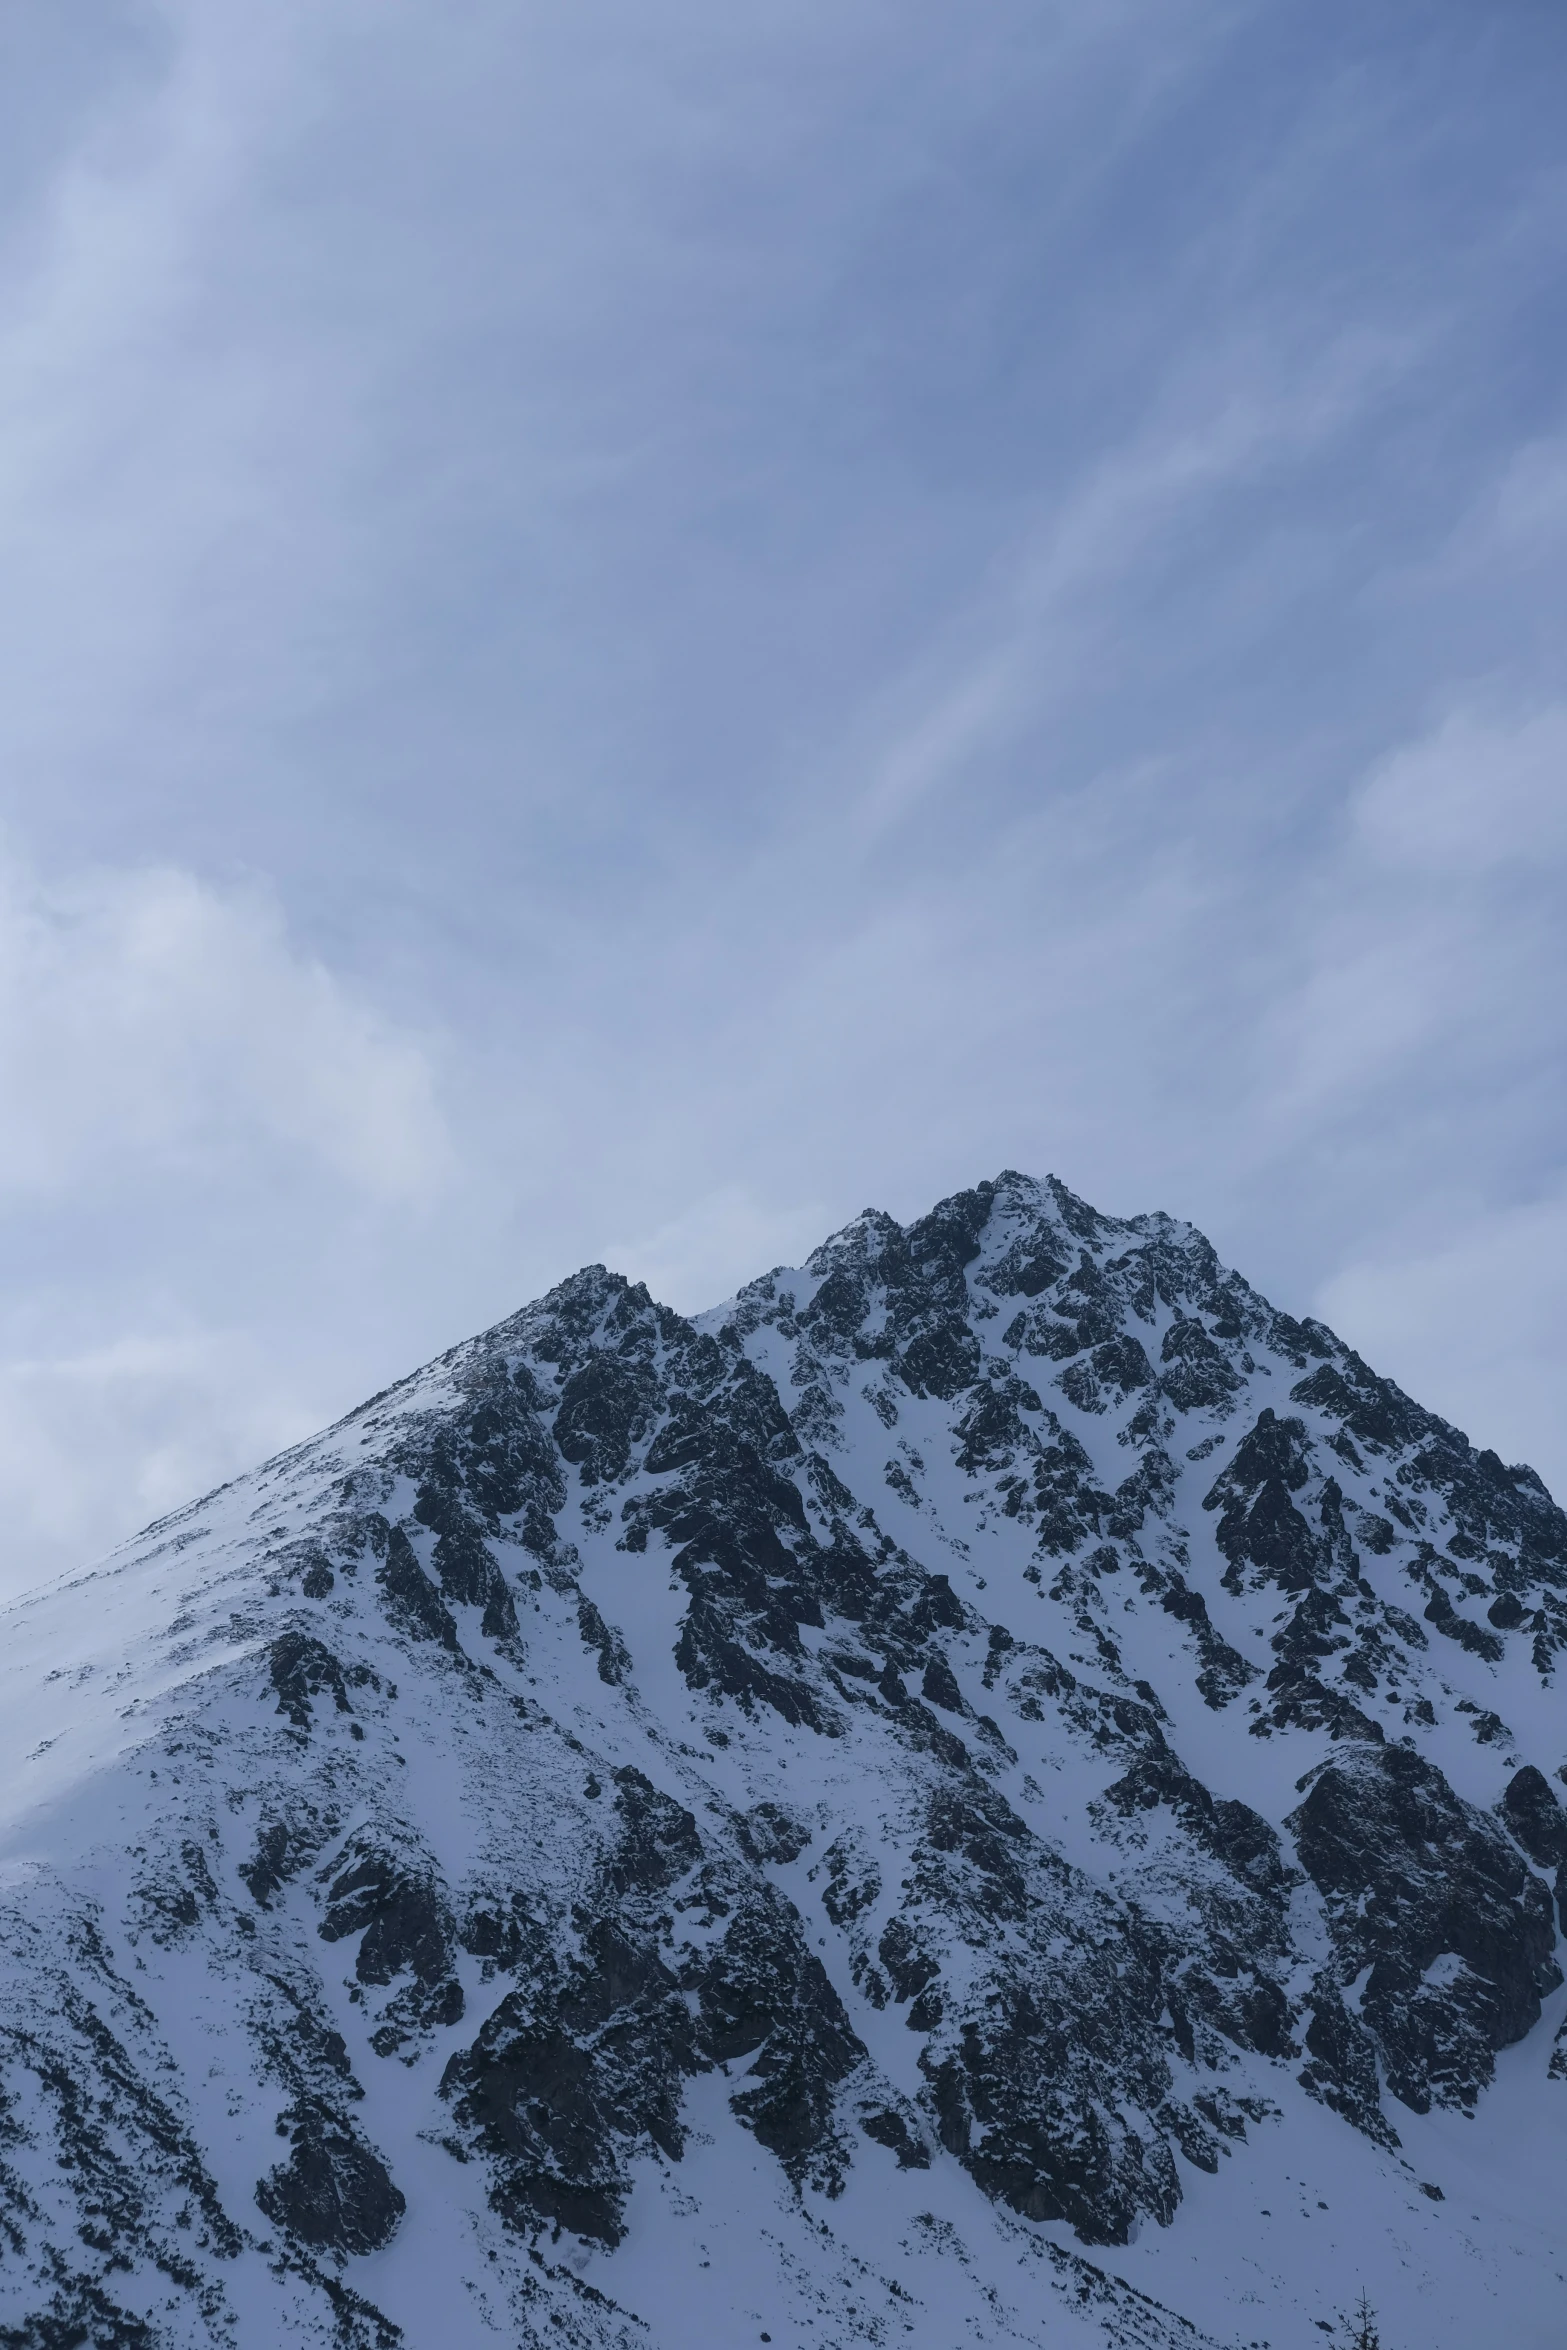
(1443,1931)
(841,1718)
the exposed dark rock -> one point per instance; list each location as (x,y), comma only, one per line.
(1232,1832)
(853,1880)
(412,1602)
(283,1848)
(765,1996)
(1005,2106)
(1112,1371)
(1411,1876)
(659,1843)
(614,1659)
(303,1668)
(1224,1671)
(1195,1371)
(1440,1611)
(614,1873)
(770,1832)
(406,1928)
(304,2047)
(1342,2067)
(1260,1528)
(500,1932)
(334,2192)
(174,1894)
(79,2315)
(467,1569)
(570,2077)
(892,2129)
(606,1407)
(1536,1819)
(81,2059)
(939,1685)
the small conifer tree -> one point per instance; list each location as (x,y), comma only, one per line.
(1365,2335)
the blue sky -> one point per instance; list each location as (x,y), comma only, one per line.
(625,630)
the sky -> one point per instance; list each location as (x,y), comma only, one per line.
(624,631)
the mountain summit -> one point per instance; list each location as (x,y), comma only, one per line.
(994,1789)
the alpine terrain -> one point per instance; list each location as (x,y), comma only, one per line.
(994,1789)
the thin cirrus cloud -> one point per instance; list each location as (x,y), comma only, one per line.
(1437,959)
(1246,415)
(93,1441)
(146,1016)
(1480,1313)
(193,1113)
(623,633)
(1473,795)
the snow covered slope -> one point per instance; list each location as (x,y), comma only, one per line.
(993,1790)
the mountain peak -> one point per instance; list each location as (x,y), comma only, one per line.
(995,1781)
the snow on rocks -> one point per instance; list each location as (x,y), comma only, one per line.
(797,1823)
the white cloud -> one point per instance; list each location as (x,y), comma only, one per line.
(145,1014)
(832,644)
(1530,504)
(1472,1327)
(170,462)
(96,1443)
(1238,415)
(1475,794)
(204,1133)
(1429,979)
(722,1241)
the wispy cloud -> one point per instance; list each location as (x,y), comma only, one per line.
(1249,414)
(145,1015)
(202,1129)
(724,1239)
(624,631)
(94,1443)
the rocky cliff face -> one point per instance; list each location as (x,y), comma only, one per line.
(894,1811)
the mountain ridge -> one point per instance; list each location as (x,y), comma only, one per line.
(949,1768)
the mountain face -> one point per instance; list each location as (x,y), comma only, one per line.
(993,1789)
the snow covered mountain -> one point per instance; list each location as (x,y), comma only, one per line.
(994,1789)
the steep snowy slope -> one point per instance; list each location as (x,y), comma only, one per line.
(994,1789)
